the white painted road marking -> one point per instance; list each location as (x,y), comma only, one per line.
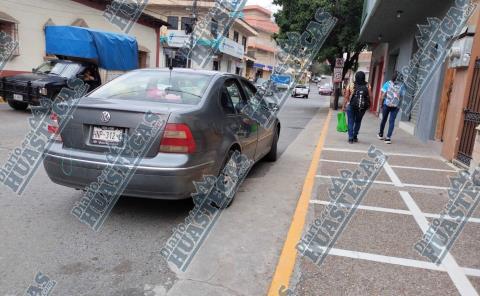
(393,166)
(391,183)
(387,210)
(398,261)
(458,276)
(392,153)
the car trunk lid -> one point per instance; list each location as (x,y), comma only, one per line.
(98,123)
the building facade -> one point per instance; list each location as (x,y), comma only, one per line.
(449,109)
(25,21)
(232,50)
(261,48)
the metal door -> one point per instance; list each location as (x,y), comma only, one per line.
(471,119)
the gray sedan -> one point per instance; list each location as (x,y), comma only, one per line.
(203,127)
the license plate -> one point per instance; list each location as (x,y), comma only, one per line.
(17,97)
(107,135)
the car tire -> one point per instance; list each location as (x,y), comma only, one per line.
(229,155)
(272,154)
(20,106)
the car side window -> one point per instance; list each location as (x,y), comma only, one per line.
(233,89)
(250,90)
(227,103)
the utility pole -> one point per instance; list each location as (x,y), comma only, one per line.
(193,23)
(337,86)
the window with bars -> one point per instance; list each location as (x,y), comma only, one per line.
(214,28)
(11,29)
(186,21)
(172,22)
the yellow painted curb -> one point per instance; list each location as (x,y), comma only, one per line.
(286,262)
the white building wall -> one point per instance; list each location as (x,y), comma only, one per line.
(32,15)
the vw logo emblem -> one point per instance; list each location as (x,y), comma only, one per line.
(105,117)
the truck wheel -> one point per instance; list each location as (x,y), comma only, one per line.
(21,106)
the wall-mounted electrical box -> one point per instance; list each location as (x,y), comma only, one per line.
(461,51)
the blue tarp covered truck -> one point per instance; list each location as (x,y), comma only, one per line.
(80,53)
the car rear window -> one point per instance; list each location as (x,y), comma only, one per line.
(177,88)
(301,86)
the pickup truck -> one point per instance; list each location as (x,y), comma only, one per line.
(47,80)
(81,59)
(301,90)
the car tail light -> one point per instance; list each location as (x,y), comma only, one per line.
(54,128)
(177,138)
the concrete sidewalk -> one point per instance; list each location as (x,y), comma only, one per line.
(374,255)
(402,142)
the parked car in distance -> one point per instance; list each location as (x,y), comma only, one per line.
(204,127)
(325,90)
(301,90)
(260,82)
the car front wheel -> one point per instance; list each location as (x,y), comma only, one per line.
(21,106)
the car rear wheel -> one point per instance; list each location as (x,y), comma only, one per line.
(272,155)
(224,206)
(21,106)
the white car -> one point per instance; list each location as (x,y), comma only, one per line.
(301,90)
(325,89)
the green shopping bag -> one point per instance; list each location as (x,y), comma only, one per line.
(342,126)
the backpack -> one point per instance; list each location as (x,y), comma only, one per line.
(392,96)
(360,98)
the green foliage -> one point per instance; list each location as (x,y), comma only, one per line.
(296,14)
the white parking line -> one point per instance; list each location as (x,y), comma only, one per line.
(391,183)
(390,153)
(388,210)
(458,276)
(398,261)
(393,166)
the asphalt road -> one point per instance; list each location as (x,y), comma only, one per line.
(38,233)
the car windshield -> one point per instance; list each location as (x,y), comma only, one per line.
(67,70)
(177,88)
(45,68)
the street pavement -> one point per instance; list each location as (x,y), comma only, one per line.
(38,233)
(244,253)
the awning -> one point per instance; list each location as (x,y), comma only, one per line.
(7,18)
(248,58)
(263,67)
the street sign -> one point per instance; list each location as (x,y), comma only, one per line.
(339,63)
(337,75)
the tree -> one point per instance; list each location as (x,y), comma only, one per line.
(296,14)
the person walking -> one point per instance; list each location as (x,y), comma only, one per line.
(392,92)
(356,102)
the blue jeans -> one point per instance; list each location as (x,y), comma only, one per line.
(355,117)
(393,111)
